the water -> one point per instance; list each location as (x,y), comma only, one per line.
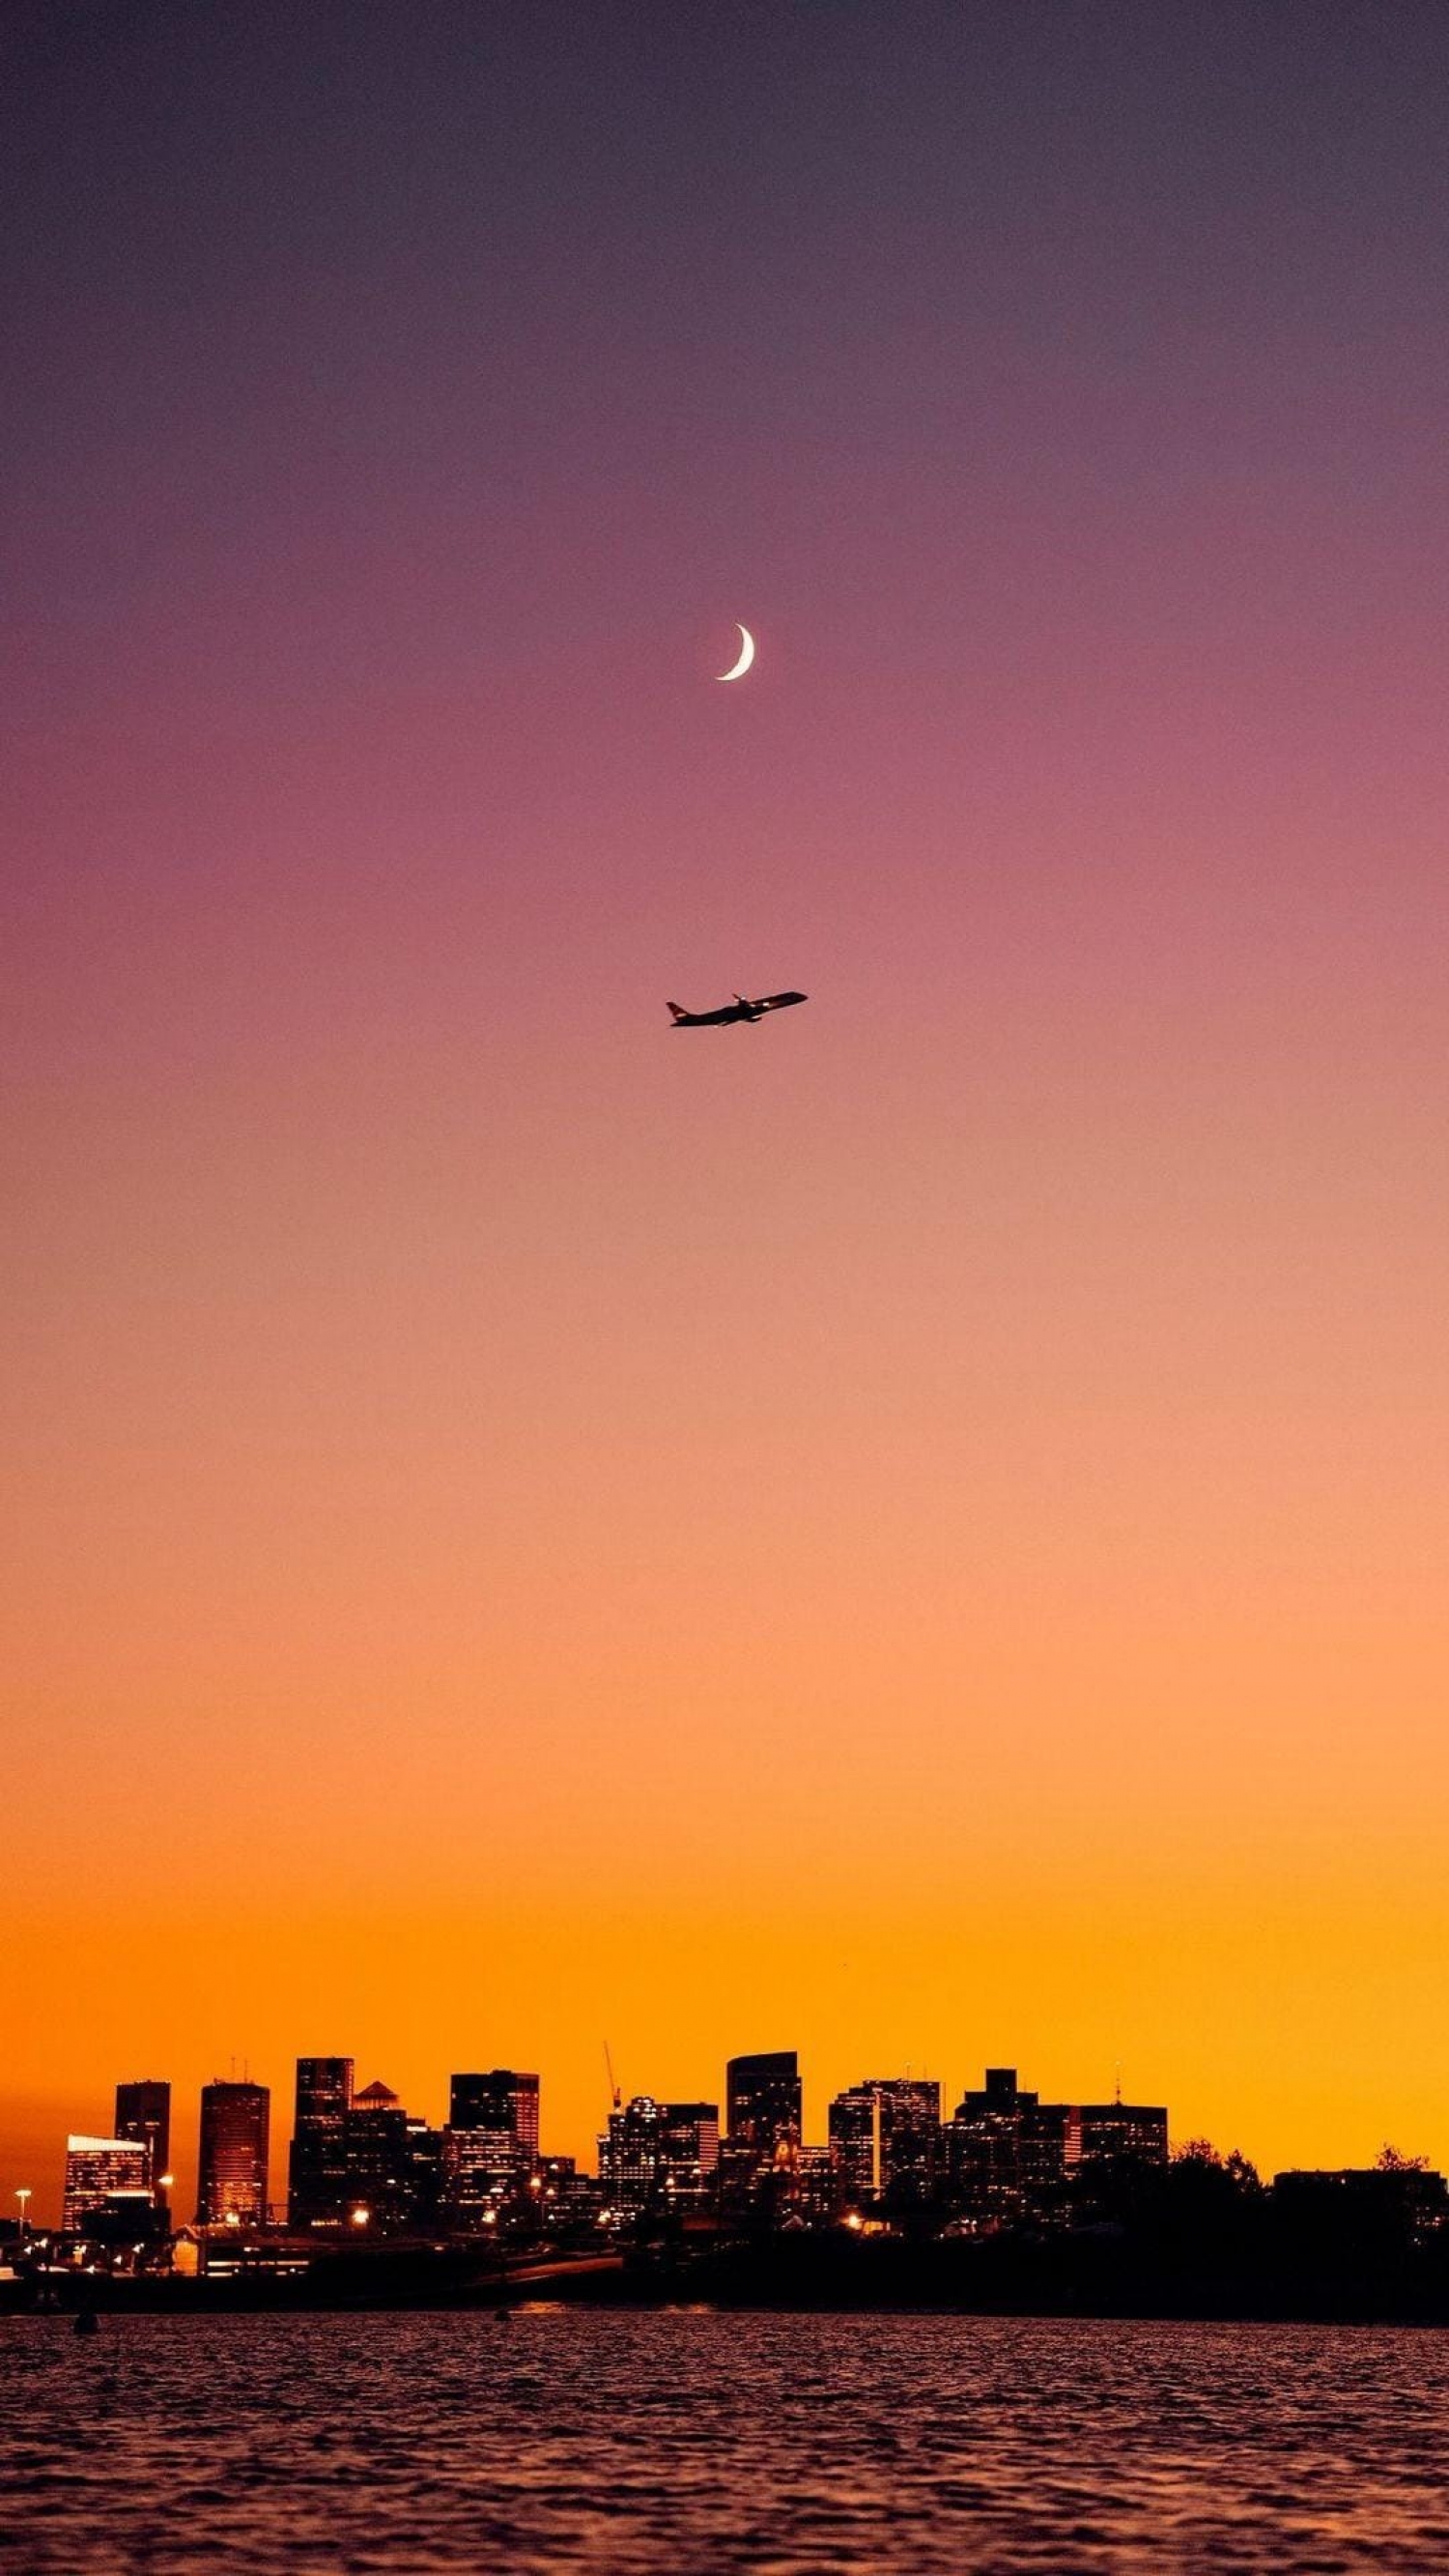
(680,2441)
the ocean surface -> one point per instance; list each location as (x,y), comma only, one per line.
(684,2440)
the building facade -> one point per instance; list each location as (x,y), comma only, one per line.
(885,2136)
(501,2100)
(231,2187)
(1116,2133)
(1006,2155)
(143,2113)
(659,2157)
(490,2149)
(102,2175)
(318,2185)
(758,2153)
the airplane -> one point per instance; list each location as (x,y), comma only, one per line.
(738,1009)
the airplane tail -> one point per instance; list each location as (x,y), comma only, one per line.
(676,1012)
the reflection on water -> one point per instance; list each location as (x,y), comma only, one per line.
(616,2443)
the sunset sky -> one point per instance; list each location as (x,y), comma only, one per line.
(915,1531)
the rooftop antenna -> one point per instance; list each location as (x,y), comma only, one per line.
(1118,2095)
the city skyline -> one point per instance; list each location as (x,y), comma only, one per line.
(759,2102)
(924,1516)
(359,2157)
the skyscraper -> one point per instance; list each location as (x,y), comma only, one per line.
(101,2172)
(232,2173)
(659,2155)
(500,2100)
(379,2160)
(1006,2153)
(762,2101)
(1116,2132)
(317,2182)
(885,2135)
(490,2145)
(757,2157)
(143,2112)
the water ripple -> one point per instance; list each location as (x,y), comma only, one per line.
(786,2446)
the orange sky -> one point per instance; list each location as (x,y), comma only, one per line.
(914,1531)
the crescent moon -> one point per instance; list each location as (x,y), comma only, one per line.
(747,655)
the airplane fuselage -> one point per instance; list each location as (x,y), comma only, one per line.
(739,1009)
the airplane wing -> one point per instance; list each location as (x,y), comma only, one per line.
(777,1001)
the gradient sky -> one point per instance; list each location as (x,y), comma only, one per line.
(916,1531)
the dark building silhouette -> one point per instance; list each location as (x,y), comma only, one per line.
(758,2154)
(379,2161)
(816,2197)
(232,2170)
(1006,2154)
(318,2185)
(762,2101)
(885,2137)
(143,2113)
(490,2148)
(425,2173)
(357,2160)
(1116,2133)
(500,2100)
(657,2157)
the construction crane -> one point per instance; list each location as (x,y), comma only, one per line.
(615,2096)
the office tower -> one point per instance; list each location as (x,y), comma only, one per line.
(143,2112)
(500,2100)
(885,2134)
(569,2199)
(1116,2132)
(762,2101)
(659,2156)
(816,2192)
(102,2174)
(490,2147)
(1006,2154)
(425,2146)
(231,2187)
(757,2155)
(379,2161)
(481,2177)
(317,2179)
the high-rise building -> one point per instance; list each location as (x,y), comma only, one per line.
(379,2160)
(762,2101)
(500,2100)
(757,2156)
(659,2156)
(425,2147)
(490,2147)
(317,2178)
(1116,2133)
(481,2178)
(816,2193)
(102,2173)
(231,2185)
(885,2134)
(1006,2154)
(143,2112)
